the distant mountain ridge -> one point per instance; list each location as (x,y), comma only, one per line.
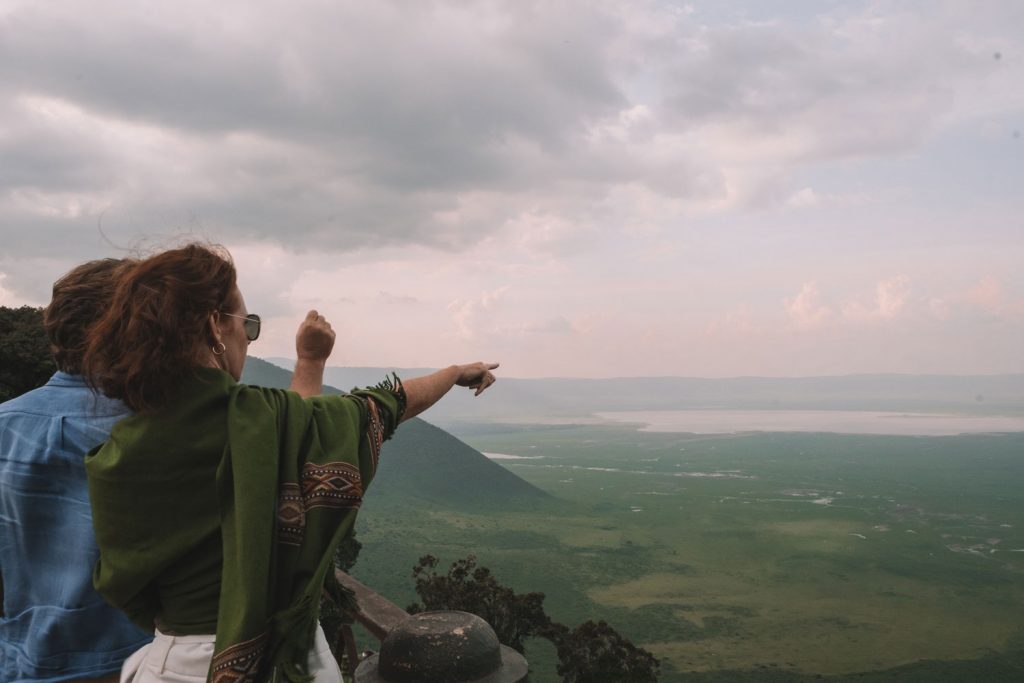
(424,464)
(513,398)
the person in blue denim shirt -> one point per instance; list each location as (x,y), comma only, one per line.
(55,627)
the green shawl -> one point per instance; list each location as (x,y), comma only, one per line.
(222,514)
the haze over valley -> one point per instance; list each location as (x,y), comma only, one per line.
(806,399)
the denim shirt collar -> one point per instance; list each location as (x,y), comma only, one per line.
(66,379)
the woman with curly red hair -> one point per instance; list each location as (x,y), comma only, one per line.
(218,506)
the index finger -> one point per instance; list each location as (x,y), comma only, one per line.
(312,315)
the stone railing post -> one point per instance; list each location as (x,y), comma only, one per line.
(446,647)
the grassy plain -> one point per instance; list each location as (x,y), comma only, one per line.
(781,557)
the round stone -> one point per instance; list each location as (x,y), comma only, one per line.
(443,647)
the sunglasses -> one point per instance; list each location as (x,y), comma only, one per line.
(251,325)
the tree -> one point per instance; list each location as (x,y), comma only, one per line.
(595,653)
(25,360)
(590,653)
(348,552)
(469,588)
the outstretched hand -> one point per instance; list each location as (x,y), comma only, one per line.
(476,376)
(423,392)
(314,339)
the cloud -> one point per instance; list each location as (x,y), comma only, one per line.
(808,197)
(891,296)
(488,319)
(319,119)
(348,126)
(558,324)
(6,298)
(391,298)
(890,300)
(545,234)
(939,308)
(804,197)
(991,296)
(738,322)
(472,317)
(893,302)
(565,182)
(805,310)
(29,281)
(814,90)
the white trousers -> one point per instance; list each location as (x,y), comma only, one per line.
(186,659)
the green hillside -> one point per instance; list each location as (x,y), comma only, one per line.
(261,373)
(425,464)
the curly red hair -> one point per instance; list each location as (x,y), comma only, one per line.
(157,323)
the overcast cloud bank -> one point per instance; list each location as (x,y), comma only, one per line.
(575,188)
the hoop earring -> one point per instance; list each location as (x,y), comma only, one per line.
(218,351)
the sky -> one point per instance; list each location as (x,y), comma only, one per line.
(575,188)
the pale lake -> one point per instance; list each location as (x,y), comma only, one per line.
(836,421)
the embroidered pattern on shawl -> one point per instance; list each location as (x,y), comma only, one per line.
(374,430)
(291,514)
(336,484)
(239,663)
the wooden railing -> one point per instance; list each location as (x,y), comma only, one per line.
(450,640)
(376,614)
